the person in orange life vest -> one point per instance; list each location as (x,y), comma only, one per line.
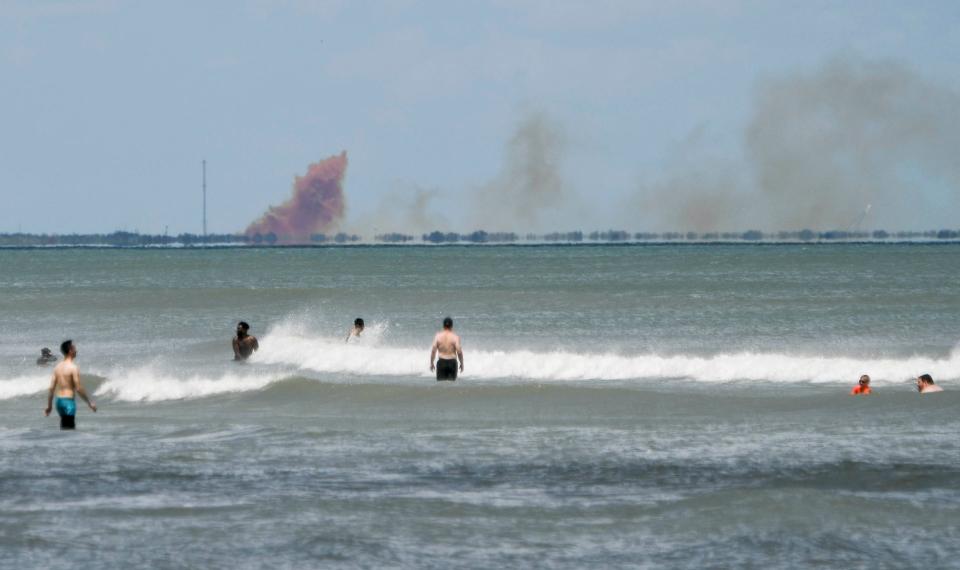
(862,388)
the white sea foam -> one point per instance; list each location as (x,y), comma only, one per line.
(23,386)
(325,355)
(287,352)
(148,385)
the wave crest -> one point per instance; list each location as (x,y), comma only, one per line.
(288,353)
(324,355)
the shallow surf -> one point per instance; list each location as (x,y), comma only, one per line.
(621,407)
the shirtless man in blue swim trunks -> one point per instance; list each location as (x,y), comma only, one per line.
(66,383)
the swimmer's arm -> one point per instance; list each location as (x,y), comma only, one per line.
(256,344)
(53,385)
(460,353)
(81,391)
(433,353)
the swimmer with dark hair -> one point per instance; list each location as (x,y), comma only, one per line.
(244,344)
(925,385)
(357,329)
(447,345)
(66,385)
(862,388)
(46,357)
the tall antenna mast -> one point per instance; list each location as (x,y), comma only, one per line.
(856,225)
(204,201)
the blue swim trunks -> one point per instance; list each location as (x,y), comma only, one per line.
(66,406)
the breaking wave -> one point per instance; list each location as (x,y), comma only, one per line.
(288,347)
(289,354)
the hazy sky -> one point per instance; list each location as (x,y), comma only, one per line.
(107,108)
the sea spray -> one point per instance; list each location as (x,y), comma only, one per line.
(369,359)
(148,385)
(328,355)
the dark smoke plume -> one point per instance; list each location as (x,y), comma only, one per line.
(703,190)
(407,210)
(317,204)
(854,133)
(820,149)
(529,182)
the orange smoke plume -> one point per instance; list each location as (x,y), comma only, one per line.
(316,206)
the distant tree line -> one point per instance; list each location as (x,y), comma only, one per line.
(624,236)
(118,239)
(478,236)
(134,239)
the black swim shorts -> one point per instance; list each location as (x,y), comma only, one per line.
(447,369)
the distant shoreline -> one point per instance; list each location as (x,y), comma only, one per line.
(381,245)
(135,240)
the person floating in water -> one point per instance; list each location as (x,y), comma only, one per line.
(925,385)
(46,357)
(447,344)
(66,383)
(862,388)
(244,344)
(356,330)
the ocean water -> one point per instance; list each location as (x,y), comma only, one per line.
(622,406)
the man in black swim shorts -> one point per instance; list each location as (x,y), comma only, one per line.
(447,345)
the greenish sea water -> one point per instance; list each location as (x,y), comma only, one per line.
(621,406)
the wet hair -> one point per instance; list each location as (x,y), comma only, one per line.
(927,378)
(65,347)
(358,322)
(244,326)
(865,377)
(447,323)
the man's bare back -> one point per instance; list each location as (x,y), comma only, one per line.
(447,345)
(66,376)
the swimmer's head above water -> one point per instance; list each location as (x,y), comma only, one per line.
(46,357)
(862,388)
(447,323)
(923,381)
(242,329)
(357,329)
